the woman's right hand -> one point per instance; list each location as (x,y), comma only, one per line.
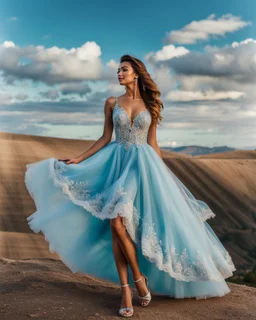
(69,160)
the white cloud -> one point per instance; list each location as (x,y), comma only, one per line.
(205,28)
(246,41)
(166,53)
(52,65)
(233,63)
(8,44)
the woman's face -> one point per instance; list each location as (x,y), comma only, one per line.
(125,73)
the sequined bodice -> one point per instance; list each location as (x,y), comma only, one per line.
(128,133)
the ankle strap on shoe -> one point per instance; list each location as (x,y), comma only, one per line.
(138,279)
(125,285)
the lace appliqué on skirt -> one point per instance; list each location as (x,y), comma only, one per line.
(98,205)
(179,265)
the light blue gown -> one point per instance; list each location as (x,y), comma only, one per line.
(177,249)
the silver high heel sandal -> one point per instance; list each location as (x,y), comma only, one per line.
(144,301)
(122,311)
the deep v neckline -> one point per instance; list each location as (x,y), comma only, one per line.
(131,120)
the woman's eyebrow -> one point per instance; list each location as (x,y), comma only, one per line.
(123,67)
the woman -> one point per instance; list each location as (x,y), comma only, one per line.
(119,196)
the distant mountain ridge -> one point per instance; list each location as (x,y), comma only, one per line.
(198,150)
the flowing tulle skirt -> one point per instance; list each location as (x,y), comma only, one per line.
(177,249)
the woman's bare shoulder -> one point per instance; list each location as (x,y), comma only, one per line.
(110,102)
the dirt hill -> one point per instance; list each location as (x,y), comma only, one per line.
(47,289)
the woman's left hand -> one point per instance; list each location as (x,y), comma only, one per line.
(70,161)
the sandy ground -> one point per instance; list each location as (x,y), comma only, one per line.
(47,289)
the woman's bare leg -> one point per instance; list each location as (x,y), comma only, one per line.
(122,268)
(129,251)
(120,259)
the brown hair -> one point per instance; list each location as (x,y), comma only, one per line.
(148,88)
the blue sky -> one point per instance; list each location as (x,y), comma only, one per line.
(58,63)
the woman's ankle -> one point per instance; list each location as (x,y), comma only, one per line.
(127,295)
(137,277)
(141,285)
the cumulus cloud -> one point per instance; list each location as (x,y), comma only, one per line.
(166,53)
(230,70)
(236,62)
(205,28)
(50,66)
(8,44)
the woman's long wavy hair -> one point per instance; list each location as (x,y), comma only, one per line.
(148,88)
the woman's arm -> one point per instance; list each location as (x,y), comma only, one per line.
(151,139)
(107,132)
